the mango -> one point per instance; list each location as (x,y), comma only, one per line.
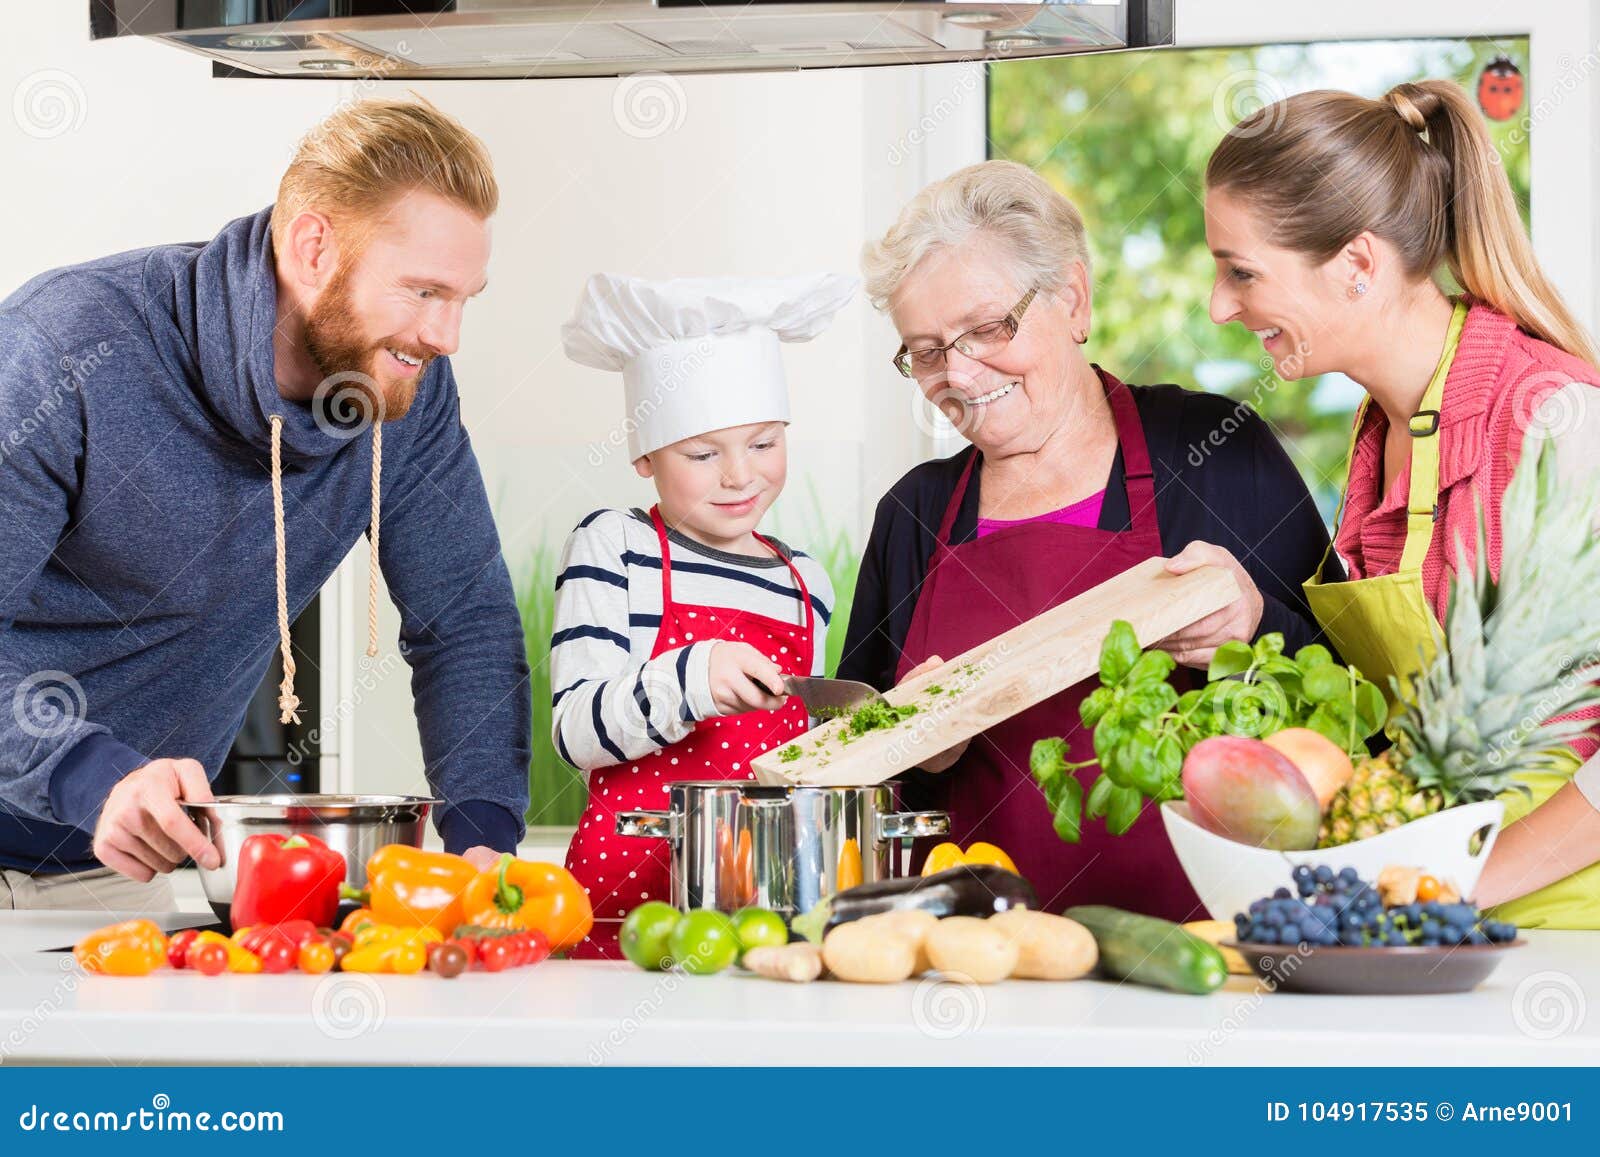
(1243,790)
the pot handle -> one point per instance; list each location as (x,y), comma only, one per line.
(646,825)
(911,825)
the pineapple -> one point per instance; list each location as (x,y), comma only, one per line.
(1516,655)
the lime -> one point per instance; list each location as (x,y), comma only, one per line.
(645,934)
(759,928)
(704,942)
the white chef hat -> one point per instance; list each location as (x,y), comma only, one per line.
(699,354)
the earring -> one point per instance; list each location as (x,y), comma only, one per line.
(1361,288)
(1081,337)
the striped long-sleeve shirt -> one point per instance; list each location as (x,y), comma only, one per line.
(612,701)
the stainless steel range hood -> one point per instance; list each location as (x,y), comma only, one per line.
(447,39)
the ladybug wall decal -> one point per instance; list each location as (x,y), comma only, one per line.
(1500,89)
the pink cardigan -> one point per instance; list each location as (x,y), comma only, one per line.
(1498,380)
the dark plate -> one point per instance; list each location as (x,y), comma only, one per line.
(1374,971)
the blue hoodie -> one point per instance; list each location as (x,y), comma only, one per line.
(137,602)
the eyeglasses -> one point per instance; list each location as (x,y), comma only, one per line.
(979,342)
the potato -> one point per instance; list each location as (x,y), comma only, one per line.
(868,953)
(1049,947)
(968,947)
(913,923)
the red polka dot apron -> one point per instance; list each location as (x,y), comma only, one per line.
(622,872)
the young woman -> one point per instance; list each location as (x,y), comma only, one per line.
(1330,217)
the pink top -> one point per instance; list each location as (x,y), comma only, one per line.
(1085,512)
(1497,381)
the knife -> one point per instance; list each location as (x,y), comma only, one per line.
(830,698)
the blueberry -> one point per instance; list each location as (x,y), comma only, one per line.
(1430,939)
(1476,937)
(1273,918)
(1323,874)
(1396,938)
(1302,872)
(1349,876)
(1281,894)
(1290,933)
(1306,887)
(1257,907)
(1241,925)
(1267,936)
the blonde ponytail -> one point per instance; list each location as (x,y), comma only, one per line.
(1488,250)
(1416,168)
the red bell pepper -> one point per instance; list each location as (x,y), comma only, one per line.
(281,879)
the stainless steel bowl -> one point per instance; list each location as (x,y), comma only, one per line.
(353,825)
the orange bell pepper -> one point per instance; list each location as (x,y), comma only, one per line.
(412,888)
(132,948)
(948,855)
(523,894)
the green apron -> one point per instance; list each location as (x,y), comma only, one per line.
(1385,625)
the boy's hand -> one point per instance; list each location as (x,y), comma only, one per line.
(743,679)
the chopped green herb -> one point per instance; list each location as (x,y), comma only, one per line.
(790,754)
(877,715)
(935,689)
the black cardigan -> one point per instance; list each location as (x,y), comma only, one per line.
(1220,477)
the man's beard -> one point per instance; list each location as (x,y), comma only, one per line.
(336,343)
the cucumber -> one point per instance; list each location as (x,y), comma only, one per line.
(1149,951)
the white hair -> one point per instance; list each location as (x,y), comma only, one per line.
(1040,229)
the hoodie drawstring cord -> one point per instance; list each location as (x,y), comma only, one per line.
(288,701)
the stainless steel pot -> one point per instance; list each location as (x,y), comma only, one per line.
(785,848)
(353,825)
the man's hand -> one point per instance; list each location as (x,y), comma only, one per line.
(1198,642)
(945,759)
(743,679)
(143,832)
(481,857)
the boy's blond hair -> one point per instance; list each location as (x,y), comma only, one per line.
(353,166)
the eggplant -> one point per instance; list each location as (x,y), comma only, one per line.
(966,890)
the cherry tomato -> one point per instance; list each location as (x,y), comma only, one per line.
(178,946)
(315,956)
(469,948)
(518,948)
(538,947)
(408,958)
(448,960)
(207,957)
(341,948)
(495,955)
(277,955)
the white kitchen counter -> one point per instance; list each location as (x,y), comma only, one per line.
(1533,1011)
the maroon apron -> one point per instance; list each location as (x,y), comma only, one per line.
(980,589)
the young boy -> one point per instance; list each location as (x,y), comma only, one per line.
(675,627)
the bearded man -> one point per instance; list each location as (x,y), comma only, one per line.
(191,439)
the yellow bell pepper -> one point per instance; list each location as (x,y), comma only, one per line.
(388,948)
(949,855)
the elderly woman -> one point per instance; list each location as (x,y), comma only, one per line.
(1072,477)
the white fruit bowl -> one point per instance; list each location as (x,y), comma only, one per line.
(1228,875)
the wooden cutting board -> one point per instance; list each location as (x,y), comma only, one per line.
(998,679)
